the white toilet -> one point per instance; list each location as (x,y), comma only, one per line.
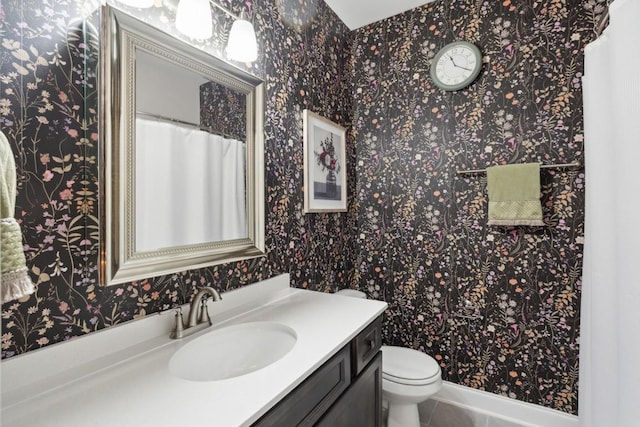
(409,377)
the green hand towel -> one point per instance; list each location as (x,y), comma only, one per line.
(15,282)
(514,194)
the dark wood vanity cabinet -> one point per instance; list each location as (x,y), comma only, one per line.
(345,391)
(361,404)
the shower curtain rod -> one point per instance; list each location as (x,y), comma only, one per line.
(558,166)
(603,23)
(185,123)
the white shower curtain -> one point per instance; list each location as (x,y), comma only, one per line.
(609,392)
(190,186)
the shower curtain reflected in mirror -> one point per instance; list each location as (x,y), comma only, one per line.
(205,176)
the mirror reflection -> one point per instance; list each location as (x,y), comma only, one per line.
(183,151)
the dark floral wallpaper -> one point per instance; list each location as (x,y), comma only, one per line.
(49,111)
(223,110)
(498,308)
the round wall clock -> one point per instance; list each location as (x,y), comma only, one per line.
(456,65)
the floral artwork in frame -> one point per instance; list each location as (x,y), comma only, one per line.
(325,173)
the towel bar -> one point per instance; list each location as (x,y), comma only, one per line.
(562,165)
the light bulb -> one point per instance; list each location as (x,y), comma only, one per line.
(193,19)
(242,45)
(90,6)
(141,4)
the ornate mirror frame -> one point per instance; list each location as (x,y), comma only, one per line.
(121,36)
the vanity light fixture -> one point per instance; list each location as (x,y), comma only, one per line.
(193,19)
(140,4)
(88,7)
(242,45)
(190,21)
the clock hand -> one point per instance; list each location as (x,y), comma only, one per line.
(456,65)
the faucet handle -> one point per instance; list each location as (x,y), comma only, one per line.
(178,328)
(204,312)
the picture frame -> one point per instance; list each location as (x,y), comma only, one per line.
(325,167)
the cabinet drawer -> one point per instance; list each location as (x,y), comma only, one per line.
(311,399)
(366,345)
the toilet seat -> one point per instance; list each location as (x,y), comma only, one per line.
(408,367)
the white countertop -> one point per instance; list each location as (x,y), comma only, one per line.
(120,376)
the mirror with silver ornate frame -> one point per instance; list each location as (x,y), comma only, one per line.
(124,255)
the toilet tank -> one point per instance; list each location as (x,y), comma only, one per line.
(351,293)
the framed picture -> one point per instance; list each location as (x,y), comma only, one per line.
(325,171)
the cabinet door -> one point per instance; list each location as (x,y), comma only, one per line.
(361,404)
(306,404)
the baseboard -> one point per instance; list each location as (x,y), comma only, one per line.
(513,410)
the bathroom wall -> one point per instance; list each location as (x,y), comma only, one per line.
(49,111)
(172,92)
(223,110)
(497,307)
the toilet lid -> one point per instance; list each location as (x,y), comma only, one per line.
(408,366)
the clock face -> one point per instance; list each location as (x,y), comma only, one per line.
(456,65)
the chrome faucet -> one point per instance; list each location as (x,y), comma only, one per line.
(198,316)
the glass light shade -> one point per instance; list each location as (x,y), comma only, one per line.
(242,45)
(90,6)
(141,4)
(193,19)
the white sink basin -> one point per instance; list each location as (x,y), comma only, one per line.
(232,351)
